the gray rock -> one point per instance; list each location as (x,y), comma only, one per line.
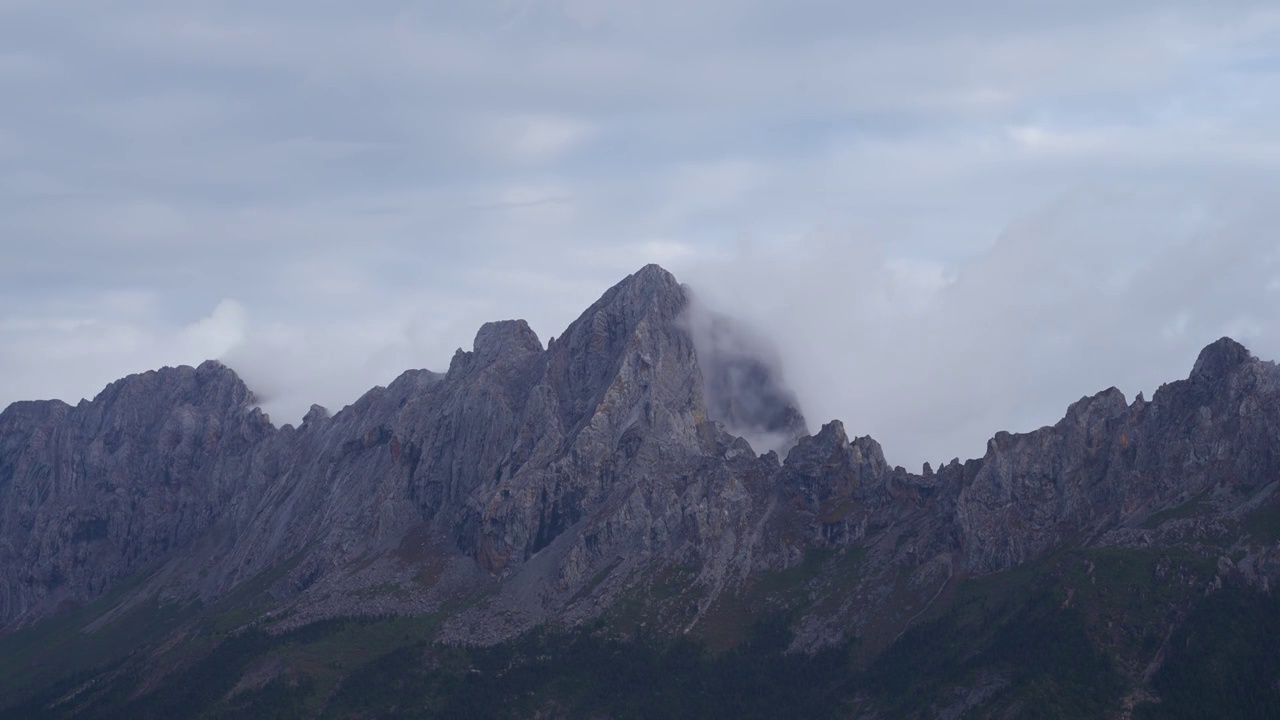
(551,482)
(91,494)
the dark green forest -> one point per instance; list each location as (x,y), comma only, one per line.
(1011,647)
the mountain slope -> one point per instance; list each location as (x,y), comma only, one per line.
(90,494)
(595,483)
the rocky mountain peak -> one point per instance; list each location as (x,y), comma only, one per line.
(212,383)
(102,489)
(1218,359)
(503,338)
(651,279)
(830,455)
(831,434)
(649,293)
(813,454)
(214,367)
(628,341)
(317,413)
(1096,409)
(548,485)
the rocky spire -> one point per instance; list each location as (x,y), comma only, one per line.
(1218,359)
(568,472)
(91,493)
(503,338)
(628,340)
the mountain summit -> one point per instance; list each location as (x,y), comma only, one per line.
(613,477)
(497,458)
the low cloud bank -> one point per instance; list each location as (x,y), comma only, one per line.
(743,380)
(1101,288)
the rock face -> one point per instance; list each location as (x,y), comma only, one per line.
(552,484)
(500,457)
(92,493)
(1109,463)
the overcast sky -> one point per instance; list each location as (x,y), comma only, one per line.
(954,218)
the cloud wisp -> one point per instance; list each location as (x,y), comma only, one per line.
(1098,289)
(327,194)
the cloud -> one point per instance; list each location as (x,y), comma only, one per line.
(24,66)
(73,351)
(875,182)
(216,335)
(1096,289)
(536,139)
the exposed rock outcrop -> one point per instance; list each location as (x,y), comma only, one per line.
(549,483)
(92,493)
(1109,463)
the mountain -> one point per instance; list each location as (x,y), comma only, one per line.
(596,512)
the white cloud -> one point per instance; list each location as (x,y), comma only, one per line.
(933,361)
(144,222)
(75,355)
(216,335)
(715,184)
(536,139)
(370,184)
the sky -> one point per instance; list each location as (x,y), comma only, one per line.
(952,218)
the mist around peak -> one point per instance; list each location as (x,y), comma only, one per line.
(744,384)
(932,356)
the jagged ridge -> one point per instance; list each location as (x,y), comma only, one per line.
(556,483)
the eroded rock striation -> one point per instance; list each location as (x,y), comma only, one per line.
(530,484)
(92,493)
(1110,463)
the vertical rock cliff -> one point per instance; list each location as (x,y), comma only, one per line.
(615,465)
